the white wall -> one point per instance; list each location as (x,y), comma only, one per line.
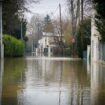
(94,39)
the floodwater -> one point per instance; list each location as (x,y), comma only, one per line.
(51,82)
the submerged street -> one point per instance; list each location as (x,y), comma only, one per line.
(52,52)
(52,82)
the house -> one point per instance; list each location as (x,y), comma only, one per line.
(47,43)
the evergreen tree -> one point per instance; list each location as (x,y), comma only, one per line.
(100,17)
(48,26)
(84,30)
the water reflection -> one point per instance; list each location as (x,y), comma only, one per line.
(12,80)
(97,84)
(89,67)
(1,77)
(51,82)
(55,83)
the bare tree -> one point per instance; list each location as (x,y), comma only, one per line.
(34,28)
(78,10)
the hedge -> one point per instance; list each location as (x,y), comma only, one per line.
(13,47)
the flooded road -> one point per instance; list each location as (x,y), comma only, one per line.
(52,82)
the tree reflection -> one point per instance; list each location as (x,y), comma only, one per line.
(1,77)
(12,80)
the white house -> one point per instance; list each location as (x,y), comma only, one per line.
(47,43)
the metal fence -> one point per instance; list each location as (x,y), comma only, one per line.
(102,51)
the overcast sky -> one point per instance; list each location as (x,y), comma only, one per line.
(46,7)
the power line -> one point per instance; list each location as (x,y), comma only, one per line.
(53,13)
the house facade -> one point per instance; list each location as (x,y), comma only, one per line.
(47,44)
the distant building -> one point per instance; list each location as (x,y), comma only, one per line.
(47,43)
(34,33)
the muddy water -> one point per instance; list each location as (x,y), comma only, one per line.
(51,82)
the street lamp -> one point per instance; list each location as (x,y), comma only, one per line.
(21,16)
(22,27)
(1,29)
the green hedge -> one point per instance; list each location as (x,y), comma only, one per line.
(13,47)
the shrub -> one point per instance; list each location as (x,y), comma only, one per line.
(13,47)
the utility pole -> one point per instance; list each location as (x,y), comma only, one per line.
(1,34)
(61,40)
(21,29)
(82,17)
(60,21)
(21,23)
(72,18)
(82,10)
